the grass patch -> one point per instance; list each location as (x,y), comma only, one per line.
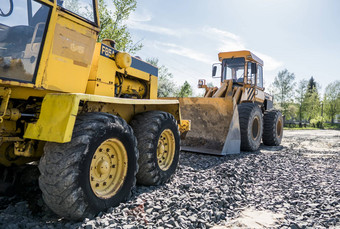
(301,128)
(326,126)
(330,126)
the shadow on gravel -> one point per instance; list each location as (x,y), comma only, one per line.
(210,161)
(271,148)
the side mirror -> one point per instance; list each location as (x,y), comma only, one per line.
(214,69)
(253,68)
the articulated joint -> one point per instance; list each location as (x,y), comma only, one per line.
(24,148)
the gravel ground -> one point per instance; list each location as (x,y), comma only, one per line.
(295,185)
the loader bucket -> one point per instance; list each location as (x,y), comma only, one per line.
(214,125)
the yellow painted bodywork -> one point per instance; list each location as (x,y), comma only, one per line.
(75,74)
(71,62)
(59,111)
(103,77)
(246,54)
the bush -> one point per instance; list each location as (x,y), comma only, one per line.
(317,122)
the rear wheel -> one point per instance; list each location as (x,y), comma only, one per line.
(158,145)
(250,117)
(7,180)
(272,128)
(93,172)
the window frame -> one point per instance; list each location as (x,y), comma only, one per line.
(33,81)
(223,75)
(94,23)
(260,74)
(255,78)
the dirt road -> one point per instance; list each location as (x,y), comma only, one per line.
(295,185)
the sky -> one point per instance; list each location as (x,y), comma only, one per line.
(186,36)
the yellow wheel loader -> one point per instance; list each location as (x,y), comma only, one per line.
(84,112)
(235,116)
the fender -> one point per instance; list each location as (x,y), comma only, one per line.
(59,112)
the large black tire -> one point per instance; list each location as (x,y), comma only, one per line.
(148,128)
(272,128)
(250,117)
(65,167)
(8,181)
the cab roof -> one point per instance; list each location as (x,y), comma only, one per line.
(244,53)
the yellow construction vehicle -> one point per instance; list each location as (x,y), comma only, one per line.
(88,113)
(236,115)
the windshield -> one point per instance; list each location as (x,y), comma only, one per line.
(83,8)
(22,29)
(233,69)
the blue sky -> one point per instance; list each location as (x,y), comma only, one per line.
(186,35)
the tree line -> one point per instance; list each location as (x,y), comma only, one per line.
(303,101)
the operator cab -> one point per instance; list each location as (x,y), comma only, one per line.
(23,27)
(243,67)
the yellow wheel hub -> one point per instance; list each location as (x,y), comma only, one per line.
(166,149)
(255,128)
(108,168)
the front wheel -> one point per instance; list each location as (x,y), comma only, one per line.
(158,145)
(93,172)
(250,117)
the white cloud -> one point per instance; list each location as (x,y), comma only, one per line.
(228,41)
(270,64)
(183,51)
(141,21)
(232,42)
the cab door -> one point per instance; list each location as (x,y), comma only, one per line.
(75,28)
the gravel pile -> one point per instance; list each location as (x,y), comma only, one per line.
(300,184)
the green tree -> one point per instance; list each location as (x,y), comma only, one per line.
(300,97)
(283,89)
(112,24)
(311,84)
(72,5)
(312,104)
(332,99)
(185,91)
(292,110)
(166,85)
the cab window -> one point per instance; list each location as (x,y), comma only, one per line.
(250,76)
(83,8)
(22,30)
(259,76)
(233,68)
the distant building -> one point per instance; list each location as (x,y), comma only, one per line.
(337,118)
